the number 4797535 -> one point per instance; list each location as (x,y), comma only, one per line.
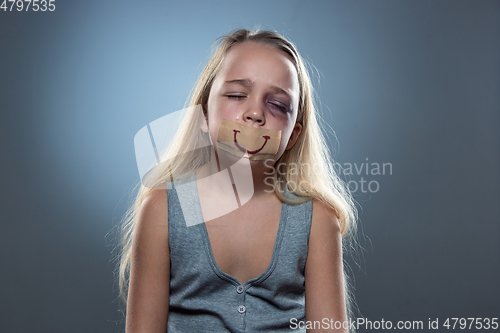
(474,323)
(25,5)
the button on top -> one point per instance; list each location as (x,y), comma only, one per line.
(241,309)
(239,289)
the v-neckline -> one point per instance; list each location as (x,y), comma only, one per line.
(208,247)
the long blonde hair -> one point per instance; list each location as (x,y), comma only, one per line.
(309,169)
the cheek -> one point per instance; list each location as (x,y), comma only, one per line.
(211,110)
(286,133)
(219,109)
(215,116)
(286,136)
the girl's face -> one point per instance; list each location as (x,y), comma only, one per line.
(257,85)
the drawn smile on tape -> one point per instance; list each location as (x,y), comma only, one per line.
(267,137)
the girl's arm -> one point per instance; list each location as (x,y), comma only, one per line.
(148,295)
(324,276)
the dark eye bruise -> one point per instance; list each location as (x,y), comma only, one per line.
(280,107)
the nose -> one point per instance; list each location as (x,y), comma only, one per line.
(254,114)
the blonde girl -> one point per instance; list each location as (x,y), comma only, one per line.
(264,257)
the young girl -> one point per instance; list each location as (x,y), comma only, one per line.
(247,235)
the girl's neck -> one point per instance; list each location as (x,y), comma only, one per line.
(245,175)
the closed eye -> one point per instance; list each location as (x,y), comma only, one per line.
(235,96)
(278,106)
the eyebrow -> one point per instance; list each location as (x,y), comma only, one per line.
(248,83)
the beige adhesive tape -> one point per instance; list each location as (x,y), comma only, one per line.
(247,141)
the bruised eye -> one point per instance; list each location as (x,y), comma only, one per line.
(278,106)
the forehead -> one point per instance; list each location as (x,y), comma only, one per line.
(261,64)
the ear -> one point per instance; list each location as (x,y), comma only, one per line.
(204,122)
(297,129)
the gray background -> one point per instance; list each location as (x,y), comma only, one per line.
(411,83)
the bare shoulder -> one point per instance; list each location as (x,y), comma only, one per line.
(324,224)
(151,233)
(154,209)
(325,238)
(156,199)
(151,230)
(148,296)
(324,284)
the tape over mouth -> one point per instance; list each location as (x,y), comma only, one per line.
(247,141)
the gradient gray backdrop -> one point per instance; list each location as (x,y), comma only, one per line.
(411,83)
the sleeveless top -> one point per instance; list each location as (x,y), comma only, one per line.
(205,299)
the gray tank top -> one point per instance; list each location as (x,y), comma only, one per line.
(205,299)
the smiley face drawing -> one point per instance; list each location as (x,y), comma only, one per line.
(251,152)
(247,141)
